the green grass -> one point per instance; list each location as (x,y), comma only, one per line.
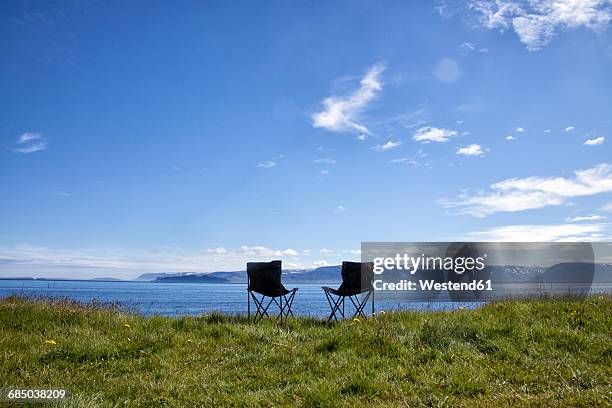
(510,353)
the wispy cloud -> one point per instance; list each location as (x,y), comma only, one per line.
(340,209)
(472,150)
(595,142)
(341,113)
(536,22)
(470,46)
(542,233)
(30,142)
(569,129)
(430,134)
(519,130)
(390,145)
(326,160)
(270,163)
(520,194)
(584,218)
(417,160)
(218,251)
(323,173)
(362,137)
(510,137)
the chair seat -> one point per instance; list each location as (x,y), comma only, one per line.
(274,292)
(341,291)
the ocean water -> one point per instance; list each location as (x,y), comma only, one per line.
(177,299)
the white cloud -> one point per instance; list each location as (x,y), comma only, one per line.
(542,233)
(326,160)
(468,46)
(266,164)
(290,252)
(340,209)
(320,263)
(430,134)
(270,163)
(519,130)
(536,22)
(218,251)
(403,160)
(593,217)
(510,137)
(447,70)
(519,194)
(36,147)
(415,161)
(569,129)
(471,150)
(341,114)
(327,251)
(595,142)
(390,145)
(323,173)
(30,142)
(362,137)
(546,130)
(28,137)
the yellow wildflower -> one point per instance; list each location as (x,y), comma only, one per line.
(51,342)
(127,326)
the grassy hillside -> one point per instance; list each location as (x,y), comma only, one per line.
(519,353)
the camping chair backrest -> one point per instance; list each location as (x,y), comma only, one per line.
(357,277)
(265,277)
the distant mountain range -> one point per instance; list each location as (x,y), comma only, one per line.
(563,272)
(324,274)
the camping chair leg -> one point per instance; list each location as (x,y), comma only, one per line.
(373,303)
(289,303)
(334,305)
(261,310)
(281,309)
(248,305)
(327,296)
(359,305)
(336,308)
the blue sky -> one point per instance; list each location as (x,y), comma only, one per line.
(142,137)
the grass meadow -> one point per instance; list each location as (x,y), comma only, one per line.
(510,353)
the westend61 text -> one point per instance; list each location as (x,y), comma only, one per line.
(425,285)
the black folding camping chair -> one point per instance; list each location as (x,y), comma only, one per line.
(356,280)
(264,278)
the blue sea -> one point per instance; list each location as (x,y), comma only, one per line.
(177,299)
